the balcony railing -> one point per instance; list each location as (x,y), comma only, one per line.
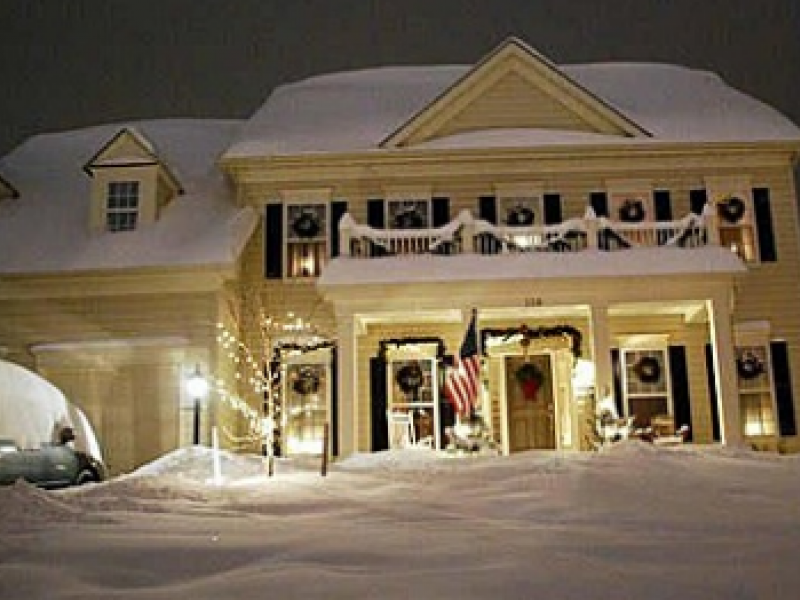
(467,234)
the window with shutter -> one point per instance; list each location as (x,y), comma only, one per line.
(306,239)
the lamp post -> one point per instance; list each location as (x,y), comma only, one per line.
(197,386)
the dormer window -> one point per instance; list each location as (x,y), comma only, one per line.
(122,206)
(131,184)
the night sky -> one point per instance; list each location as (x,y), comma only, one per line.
(71,63)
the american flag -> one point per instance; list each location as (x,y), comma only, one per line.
(463,379)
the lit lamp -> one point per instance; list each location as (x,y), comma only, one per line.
(197,386)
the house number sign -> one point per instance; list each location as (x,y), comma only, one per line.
(532,301)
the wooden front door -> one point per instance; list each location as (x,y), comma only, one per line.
(531,417)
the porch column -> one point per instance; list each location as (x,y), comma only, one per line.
(600,330)
(348,383)
(724,355)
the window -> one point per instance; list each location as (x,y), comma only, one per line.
(305,408)
(122,205)
(413,389)
(522,211)
(306,239)
(646,385)
(409,214)
(755,390)
(736,231)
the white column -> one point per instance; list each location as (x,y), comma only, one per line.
(600,330)
(723,350)
(348,384)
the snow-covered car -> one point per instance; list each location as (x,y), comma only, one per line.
(49,466)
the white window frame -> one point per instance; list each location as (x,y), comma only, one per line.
(626,365)
(741,236)
(761,391)
(304,258)
(122,205)
(397,401)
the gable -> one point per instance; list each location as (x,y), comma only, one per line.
(129,148)
(514,87)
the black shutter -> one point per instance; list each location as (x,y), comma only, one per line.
(273,241)
(552,209)
(441,211)
(375,214)
(616,369)
(599,203)
(338,208)
(679,379)
(763,215)
(712,393)
(663,205)
(379,403)
(447,414)
(333,418)
(487,209)
(697,201)
(784,398)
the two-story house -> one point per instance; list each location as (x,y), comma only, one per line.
(626,232)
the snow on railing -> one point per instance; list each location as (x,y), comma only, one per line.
(466,234)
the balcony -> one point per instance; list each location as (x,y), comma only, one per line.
(468,235)
(471,249)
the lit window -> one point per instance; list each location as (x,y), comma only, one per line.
(522,212)
(413,391)
(755,390)
(736,226)
(306,240)
(122,205)
(305,409)
(646,380)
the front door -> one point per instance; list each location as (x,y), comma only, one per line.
(530,403)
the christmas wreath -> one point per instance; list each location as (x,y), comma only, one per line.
(306,382)
(648,369)
(410,378)
(520,216)
(732,209)
(749,366)
(306,225)
(409,217)
(530,379)
(631,211)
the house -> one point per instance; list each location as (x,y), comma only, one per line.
(627,233)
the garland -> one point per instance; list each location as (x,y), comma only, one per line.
(558,331)
(732,209)
(632,211)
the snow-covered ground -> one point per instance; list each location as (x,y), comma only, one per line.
(633,521)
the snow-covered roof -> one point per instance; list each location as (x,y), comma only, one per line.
(357,110)
(47,229)
(658,262)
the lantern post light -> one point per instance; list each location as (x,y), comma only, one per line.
(197,386)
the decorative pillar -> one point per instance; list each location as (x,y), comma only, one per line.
(724,356)
(347,354)
(600,331)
